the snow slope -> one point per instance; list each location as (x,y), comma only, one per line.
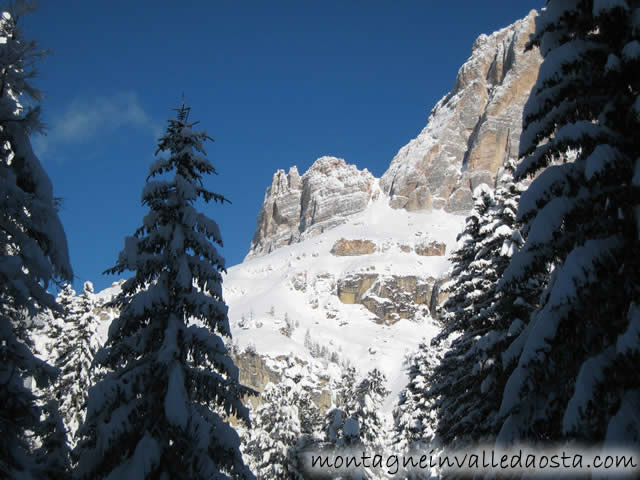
(262,290)
(298,283)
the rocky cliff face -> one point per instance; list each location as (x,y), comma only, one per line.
(389,297)
(297,207)
(367,290)
(469,134)
(472,130)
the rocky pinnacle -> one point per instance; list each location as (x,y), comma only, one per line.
(469,135)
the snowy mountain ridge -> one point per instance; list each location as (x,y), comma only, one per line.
(302,281)
(299,284)
(357,261)
(469,135)
(296,207)
(354,262)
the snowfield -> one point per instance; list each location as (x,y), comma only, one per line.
(299,282)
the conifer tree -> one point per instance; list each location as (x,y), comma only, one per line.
(150,416)
(343,439)
(52,448)
(33,253)
(75,351)
(283,425)
(575,374)
(362,402)
(455,383)
(466,385)
(342,431)
(275,432)
(57,325)
(366,407)
(474,274)
(342,394)
(415,417)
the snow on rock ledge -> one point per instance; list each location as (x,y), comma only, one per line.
(298,207)
(389,297)
(431,249)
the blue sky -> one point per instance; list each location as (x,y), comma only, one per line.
(275,84)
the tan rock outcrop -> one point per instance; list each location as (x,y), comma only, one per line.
(344,247)
(254,373)
(279,216)
(389,297)
(297,207)
(419,200)
(431,249)
(351,289)
(473,129)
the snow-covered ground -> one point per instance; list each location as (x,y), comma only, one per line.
(299,282)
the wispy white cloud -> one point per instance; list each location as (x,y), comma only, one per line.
(86,120)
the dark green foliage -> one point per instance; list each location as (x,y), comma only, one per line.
(575,373)
(465,388)
(151,414)
(33,253)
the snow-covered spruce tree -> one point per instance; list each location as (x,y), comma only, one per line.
(75,351)
(466,385)
(360,425)
(415,417)
(33,253)
(342,434)
(335,416)
(56,331)
(361,401)
(281,427)
(366,407)
(473,274)
(151,416)
(55,328)
(340,431)
(576,373)
(275,431)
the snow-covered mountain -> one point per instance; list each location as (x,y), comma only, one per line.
(355,261)
(469,134)
(361,290)
(344,268)
(359,294)
(297,207)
